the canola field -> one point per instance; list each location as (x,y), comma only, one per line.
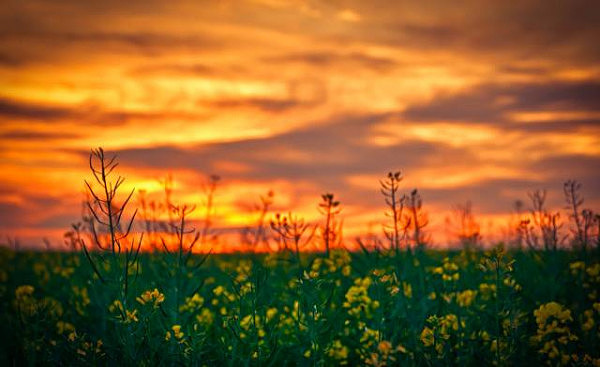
(403,308)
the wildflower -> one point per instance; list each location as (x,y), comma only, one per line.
(23,291)
(177,332)
(62,327)
(131,316)
(218,290)
(554,310)
(116,306)
(192,303)
(154,297)
(358,300)
(594,270)
(553,334)
(427,337)
(271,312)
(338,351)
(72,336)
(589,320)
(437,270)
(487,291)
(576,266)
(24,301)
(465,298)
(407,289)
(206,317)
(245,322)
(384,347)
(99,346)
(369,337)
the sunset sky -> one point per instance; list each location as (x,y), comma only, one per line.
(474,100)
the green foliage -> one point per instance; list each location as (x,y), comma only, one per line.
(375,308)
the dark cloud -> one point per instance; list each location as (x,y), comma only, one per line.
(527,30)
(8,60)
(21,110)
(490,103)
(328,58)
(196,69)
(559,168)
(323,153)
(492,196)
(85,114)
(13,215)
(264,104)
(19,214)
(37,135)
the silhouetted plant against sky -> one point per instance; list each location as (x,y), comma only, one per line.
(515,233)
(417,219)
(574,200)
(291,228)
(331,229)
(254,236)
(209,189)
(545,226)
(464,226)
(106,223)
(395,231)
(167,184)
(583,219)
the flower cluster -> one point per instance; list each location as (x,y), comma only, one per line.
(192,303)
(337,260)
(357,299)
(439,331)
(122,314)
(177,334)
(153,297)
(448,270)
(553,334)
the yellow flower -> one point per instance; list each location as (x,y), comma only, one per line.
(154,296)
(338,351)
(589,320)
(177,332)
(131,316)
(23,291)
(192,303)
(218,290)
(552,309)
(407,288)
(593,270)
(72,336)
(384,347)
(427,337)
(206,317)
(465,298)
(271,312)
(62,326)
(116,306)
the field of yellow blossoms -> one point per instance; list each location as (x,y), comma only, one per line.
(370,308)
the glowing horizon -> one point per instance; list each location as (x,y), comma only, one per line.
(472,101)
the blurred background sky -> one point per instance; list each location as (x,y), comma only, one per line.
(479,100)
